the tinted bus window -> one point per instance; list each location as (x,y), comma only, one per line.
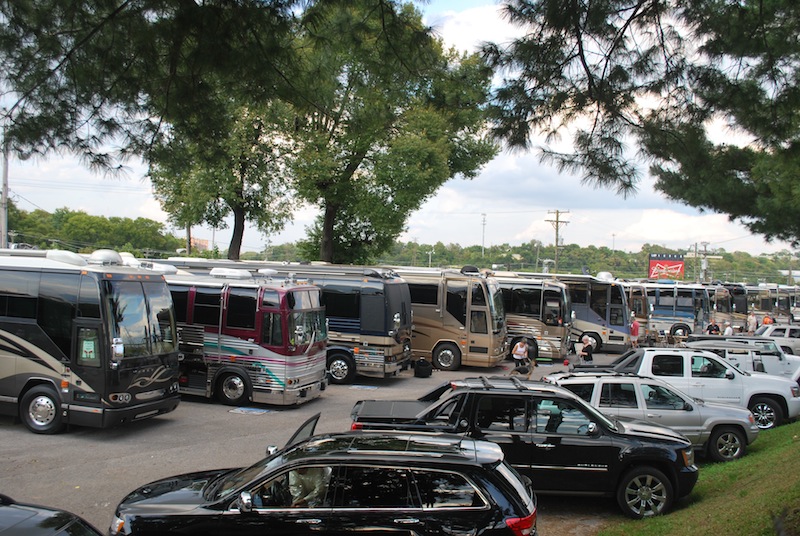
(18,293)
(180,298)
(162,322)
(206,306)
(241,311)
(478,296)
(89,298)
(58,295)
(271,298)
(579,293)
(424,294)
(372,313)
(457,300)
(271,333)
(341,302)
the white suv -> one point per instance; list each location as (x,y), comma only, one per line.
(786,335)
(720,431)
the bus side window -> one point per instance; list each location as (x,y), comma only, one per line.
(271,334)
(88,347)
(478,322)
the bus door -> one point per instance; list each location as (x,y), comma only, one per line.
(455,317)
(93,367)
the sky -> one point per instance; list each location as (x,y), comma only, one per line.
(513,200)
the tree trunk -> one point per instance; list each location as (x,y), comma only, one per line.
(326,240)
(188,239)
(238,232)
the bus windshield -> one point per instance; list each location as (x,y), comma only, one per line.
(140,317)
(496,305)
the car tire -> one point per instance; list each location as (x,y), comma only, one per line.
(446,356)
(726,444)
(768,412)
(40,410)
(341,368)
(233,389)
(644,492)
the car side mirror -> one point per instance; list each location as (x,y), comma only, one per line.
(729,374)
(245,502)
(463,424)
(592,429)
(688,407)
(271,449)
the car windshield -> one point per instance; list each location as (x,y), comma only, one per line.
(231,481)
(595,414)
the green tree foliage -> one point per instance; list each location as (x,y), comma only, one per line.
(707,91)
(241,172)
(391,118)
(81,232)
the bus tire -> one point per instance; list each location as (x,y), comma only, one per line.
(681,330)
(232,389)
(341,368)
(446,356)
(40,410)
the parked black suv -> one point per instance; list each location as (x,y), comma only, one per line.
(565,445)
(376,482)
(34,520)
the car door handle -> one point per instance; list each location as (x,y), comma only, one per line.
(310,521)
(653,416)
(547,446)
(406,520)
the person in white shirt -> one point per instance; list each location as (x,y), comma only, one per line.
(728,330)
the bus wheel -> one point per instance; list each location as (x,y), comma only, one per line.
(232,390)
(342,368)
(40,410)
(447,357)
(680,330)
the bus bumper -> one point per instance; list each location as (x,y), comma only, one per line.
(290,397)
(107,417)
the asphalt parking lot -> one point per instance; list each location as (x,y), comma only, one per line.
(87,471)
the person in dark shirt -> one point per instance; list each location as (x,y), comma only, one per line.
(713,328)
(586,351)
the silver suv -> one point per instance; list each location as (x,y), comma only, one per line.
(786,335)
(720,431)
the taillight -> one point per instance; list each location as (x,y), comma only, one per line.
(356,426)
(522,526)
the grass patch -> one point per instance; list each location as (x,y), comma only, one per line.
(756,495)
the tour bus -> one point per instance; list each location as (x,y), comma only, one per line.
(368,312)
(640,309)
(678,308)
(777,301)
(85,342)
(538,309)
(722,307)
(246,338)
(601,310)
(458,317)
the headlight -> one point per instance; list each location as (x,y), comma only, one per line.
(688,456)
(117,526)
(795,391)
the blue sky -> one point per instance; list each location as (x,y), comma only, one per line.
(509,202)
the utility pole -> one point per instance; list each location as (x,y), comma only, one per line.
(483,233)
(557,223)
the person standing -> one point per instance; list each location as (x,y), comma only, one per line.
(520,353)
(713,328)
(634,331)
(752,323)
(728,330)
(586,351)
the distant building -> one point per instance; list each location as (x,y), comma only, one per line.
(198,244)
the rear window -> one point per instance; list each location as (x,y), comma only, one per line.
(583,390)
(517,483)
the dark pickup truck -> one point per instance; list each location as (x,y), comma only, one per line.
(547,433)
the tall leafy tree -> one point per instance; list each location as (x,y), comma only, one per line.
(705,91)
(242,172)
(391,118)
